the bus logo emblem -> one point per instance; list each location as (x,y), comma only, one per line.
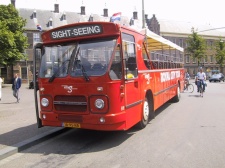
(68,88)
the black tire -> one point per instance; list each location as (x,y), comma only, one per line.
(147,113)
(176,98)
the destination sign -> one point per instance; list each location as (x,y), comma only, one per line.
(76,31)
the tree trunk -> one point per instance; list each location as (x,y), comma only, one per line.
(12,74)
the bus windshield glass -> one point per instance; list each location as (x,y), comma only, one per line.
(86,58)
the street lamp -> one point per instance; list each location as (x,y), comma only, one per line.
(143,15)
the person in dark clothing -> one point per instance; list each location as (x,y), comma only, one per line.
(16,84)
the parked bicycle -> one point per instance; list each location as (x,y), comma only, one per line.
(188,87)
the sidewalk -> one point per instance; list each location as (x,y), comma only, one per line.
(18,120)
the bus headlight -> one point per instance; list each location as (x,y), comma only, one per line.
(99,104)
(44,102)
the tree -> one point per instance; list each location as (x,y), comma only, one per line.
(196,46)
(12,40)
(220,53)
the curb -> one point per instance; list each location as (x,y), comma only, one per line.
(8,151)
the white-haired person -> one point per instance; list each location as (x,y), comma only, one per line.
(201,76)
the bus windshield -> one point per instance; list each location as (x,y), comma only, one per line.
(86,58)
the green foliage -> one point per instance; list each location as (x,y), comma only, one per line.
(220,52)
(196,46)
(12,40)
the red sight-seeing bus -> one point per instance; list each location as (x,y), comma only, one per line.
(104,76)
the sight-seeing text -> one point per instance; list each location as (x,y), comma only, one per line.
(76,31)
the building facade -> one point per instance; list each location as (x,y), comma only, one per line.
(39,21)
(178,33)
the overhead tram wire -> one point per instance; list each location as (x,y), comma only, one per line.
(211,29)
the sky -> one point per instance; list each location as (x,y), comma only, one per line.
(194,11)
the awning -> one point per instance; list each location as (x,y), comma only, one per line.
(156,42)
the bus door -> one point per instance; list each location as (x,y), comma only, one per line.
(36,66)
(132,96)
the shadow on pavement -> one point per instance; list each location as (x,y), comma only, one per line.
(21,134)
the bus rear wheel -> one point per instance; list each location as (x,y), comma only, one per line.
(176,98)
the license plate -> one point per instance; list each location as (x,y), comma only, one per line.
(72,125)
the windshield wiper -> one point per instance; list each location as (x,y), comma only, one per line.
(51,79)
(82,67)
(84,73)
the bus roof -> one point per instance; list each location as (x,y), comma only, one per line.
(156,42)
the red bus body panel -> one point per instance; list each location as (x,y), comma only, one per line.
(124,98)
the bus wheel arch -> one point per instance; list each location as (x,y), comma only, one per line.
(147,110)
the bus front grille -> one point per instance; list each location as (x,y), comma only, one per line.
(70,103)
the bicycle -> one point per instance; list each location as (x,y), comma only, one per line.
(200,87)
(188,87)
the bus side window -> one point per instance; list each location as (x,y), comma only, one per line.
(115,71)
(116,67)
(145,57)
(129,54)
(132,65)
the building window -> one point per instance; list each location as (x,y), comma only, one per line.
(174,59)
(36,37)
(206,58)
(181,42)
(181,57)
(174,40)
(187,57)
(24,72)
(202,61)
(186,44)
(211,58)
(210,44)
(194,60)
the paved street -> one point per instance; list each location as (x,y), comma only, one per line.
(187,134)
(18,121)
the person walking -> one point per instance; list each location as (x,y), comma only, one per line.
(16,87)
(1,88)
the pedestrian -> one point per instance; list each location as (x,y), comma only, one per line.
(1,88)
(16,87)
(186,78)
